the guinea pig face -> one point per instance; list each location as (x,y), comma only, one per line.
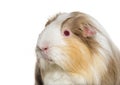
(51,40)
(64,42)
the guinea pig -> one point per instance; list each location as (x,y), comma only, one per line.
(74,49)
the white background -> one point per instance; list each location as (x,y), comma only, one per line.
(22,20)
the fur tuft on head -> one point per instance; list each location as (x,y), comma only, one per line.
(75,49)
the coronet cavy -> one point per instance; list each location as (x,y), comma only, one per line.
(74,49)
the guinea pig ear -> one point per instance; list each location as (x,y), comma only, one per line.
(87,30)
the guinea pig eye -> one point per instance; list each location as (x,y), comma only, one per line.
(66,33)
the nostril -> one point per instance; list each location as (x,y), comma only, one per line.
(45,48)
(42,48)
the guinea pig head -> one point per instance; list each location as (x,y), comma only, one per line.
(68,41)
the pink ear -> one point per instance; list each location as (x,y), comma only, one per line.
(88,31)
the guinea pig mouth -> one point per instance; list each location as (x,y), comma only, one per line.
(46,57)
(43,55)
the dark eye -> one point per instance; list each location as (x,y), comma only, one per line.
(66,33)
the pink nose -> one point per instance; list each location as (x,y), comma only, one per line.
(44,48)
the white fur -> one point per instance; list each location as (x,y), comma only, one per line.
(53,75)
(52,33)
(57,78)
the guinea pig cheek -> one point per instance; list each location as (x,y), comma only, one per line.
(78,56)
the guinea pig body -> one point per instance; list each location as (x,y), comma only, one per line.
(74,49)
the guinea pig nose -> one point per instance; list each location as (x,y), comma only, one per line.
(44,48)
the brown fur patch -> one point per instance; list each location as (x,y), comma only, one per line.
(81,49)
(52,19)
(110,78)
(78,57)
(77,43)
(38,77)
(74,24)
